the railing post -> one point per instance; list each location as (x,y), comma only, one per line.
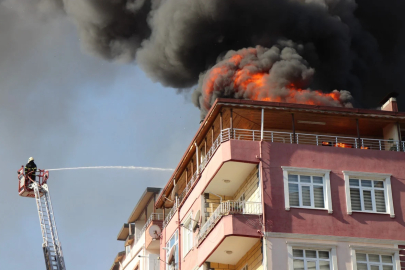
(262,126)
(253,135)
(317,140)
(355,142)
(271,136)
(362,143)
(379,142)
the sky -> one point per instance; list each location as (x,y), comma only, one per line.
(66,109)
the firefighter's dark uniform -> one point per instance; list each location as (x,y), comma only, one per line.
(30,169)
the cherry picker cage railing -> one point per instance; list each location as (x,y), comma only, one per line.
(228,208)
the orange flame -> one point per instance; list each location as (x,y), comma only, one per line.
(250,83)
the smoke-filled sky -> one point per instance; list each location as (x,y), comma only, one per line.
(66,109)
(96,82)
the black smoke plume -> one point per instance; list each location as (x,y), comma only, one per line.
(357,46)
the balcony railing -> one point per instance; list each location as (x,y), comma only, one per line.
(316,139)
(228,208)
(284,137)
(171,213)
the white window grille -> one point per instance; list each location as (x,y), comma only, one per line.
(366,261)
(368,192)
(173,242)
(187,235)
(311,256)
(309,259)
(375,258)
(307,188)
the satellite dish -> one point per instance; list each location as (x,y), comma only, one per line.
(171,255)
(195,221)
(154,231)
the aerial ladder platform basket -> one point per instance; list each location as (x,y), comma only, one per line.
(34,185)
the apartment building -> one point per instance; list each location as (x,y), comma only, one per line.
(141,251)
(279,186)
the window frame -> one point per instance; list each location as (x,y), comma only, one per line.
(394,252)
(186,231)
(312,172)
(386,178)
(176,242)
(312,246)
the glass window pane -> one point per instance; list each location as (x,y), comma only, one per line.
(379,184)
(362,266)
(368,203)
(366,183)
(317,179)
(374,267)
(388,267)
(374,257)
(355,199)
(298,264)
(361,257)
(324,265)
(354,182)
(380,201)
(310,253)
(311,265)
(298,253)
(319,200)
(305,178)
(292,178)
(323,254)
(386,259)
(306,195)
(294,195)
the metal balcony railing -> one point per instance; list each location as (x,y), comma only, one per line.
(171,213)
(228,208)
(319,140)
(284,137)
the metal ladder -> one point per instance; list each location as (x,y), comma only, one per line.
(50,241)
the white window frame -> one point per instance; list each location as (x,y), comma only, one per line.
(187,230)
(245,267)
(311,246)
(389,204)
(313,172)
(375,250)
(175,234)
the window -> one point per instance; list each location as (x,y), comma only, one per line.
(173,242)
(368,192)
(244,267)
(374,262)
(375,258)
(307,259)
(187,235)
(127,249)
(311,256)
(307,188)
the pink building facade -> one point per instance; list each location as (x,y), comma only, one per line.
(285,186)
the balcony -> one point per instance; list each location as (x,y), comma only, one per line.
(314,139)
(228,208)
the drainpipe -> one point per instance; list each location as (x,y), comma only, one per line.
(263,230)
(262,126)
(293,126)
(179,237)
(399,137)
(196,157)
(358,134)
(231,120)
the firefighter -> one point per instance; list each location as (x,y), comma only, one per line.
(30,169)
